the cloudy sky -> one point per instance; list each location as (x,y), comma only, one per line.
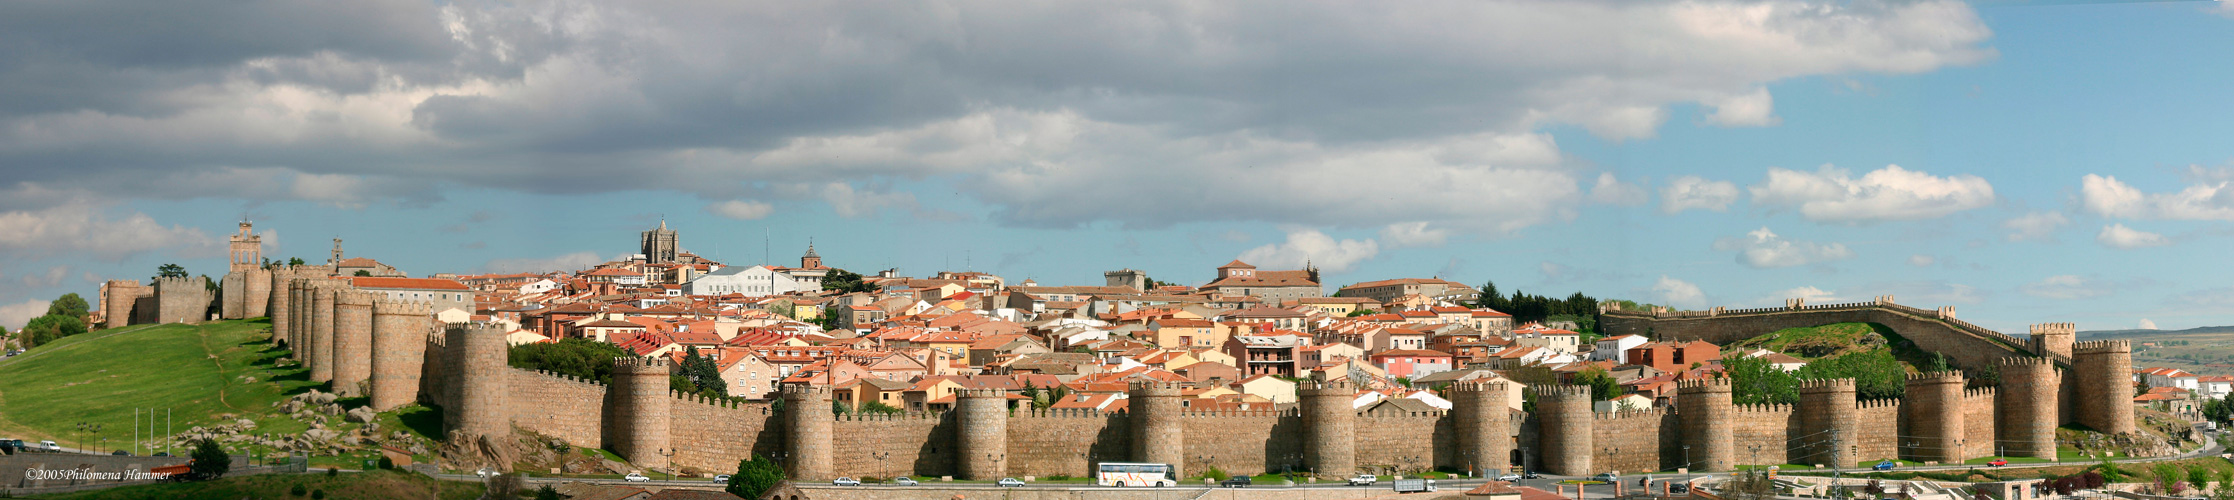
(2025,163)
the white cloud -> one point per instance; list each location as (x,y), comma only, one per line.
(2036,226)
(740,209)
(2206,198)
(2065,287)
(1812,294)
(1311,247)
(1831,194)
(14,316)
(2146,324)
(1753,109)
(852,203)
(1413,234)
(82,229)
(53,277)
(1612,191)
(2119,236)
(1689,192)
(1552,269)
(1678,293)
(1764,249)
(570,262)
(1921,260)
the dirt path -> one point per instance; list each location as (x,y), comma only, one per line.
(225,377)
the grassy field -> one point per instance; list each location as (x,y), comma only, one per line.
(1820,341)
(349,486)
(202,374)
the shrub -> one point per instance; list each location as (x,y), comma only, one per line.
(547,493)
(754,477)
(1215,474)
(333,471)
(318,494)
(298,490)
(210,460)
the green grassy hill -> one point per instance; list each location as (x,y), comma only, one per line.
(202,374)
(1821,341)
(351,486)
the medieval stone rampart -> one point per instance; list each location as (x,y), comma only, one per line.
(257,296)
(637,410)
(808,439)
(320,340)
(1479,410)
(232,296)
(1934,412)
(279,305)
(182,300)
(117,299)
(1329,421)
(982,432)
(399,337)
(1708,424)
(352,353)
(1565,415)
(1158,434)
(2103,385)
(1828,426)
(2025,409)
(1968,346)
(1049,442)
(483,392)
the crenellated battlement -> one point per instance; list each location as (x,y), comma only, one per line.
(1978,392)
(1939,377)
(634,364)
(386,307)
(2102,347)
(1071,413)
(561,377)
(1562,392)
(1327,387)
(2013,361)
(980,394)
(1827,385)
(1155,388)
(805,390)
(1763,408)
(2055,329)
(1244,413)
(353,297)
(1871,404)
(1715,384)
(1479,386)
(1629,414)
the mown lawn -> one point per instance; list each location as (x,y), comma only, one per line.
(372,485)
(195,373)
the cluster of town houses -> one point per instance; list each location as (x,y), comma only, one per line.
(1241,341)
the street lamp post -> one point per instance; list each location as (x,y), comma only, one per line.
(881,467)
(670,454)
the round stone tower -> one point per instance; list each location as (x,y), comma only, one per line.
(352,341)
(982,433)
(259,292)
(1483,412)
(1157,435)
(637,409)
(321,341)
(808,442)
(399,342)
(280,288)
(1828,429)
(298,314)
(478,354)
(1934,407)
(2025,406)
(1330,426)
(1565,429)
(2103,380)
(1706,412)
(232,296)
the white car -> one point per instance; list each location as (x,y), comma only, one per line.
(1364,480)
(49,446)
(485,472)
(845,481)
(904,481)
(721,478)
(635,477)
(1011,482)
(1508,477)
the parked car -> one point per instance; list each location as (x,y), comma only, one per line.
(1508,477)
(1531,475)
(845,481)
(1011,482)
(1605,477)
(904,481)
(721,478)
(162,454)
(1680,488)
(49,446)
(1235,482)
(1998,462)
(121,453)
(1364,480)
(1885,465)
(635,477)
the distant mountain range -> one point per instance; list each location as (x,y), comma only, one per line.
(2156,333)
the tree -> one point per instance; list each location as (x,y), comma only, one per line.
(170,271)
(70,304)
(704,375)
(1749,485)
(1756,381)
(362,273)
(297,261)
(754,477)
(844,281)
(878,407)
(1038,398)
(548,493)
(209,460)
(49,328)
(580,358)
(1602,385)
(1359,312)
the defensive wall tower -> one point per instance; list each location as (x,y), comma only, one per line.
(321,339)
(298,318)
(282,313)
(116,302)
(1330,426)
(2025,407)
(2103,378)
(477,357)
(1828,429)
(982,433)
(399,339)
(807,419)
(257,298)
(352,351)
(232,295)
(2054,338)
(1156,427)
(637,409)
(1565,428)
(182,300)
(1704,407)
(1934,406)
(1483,416)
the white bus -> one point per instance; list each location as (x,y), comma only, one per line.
(1131,474)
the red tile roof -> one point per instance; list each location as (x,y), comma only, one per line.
(407,283)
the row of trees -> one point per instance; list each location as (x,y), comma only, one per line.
(1527,308)
(65,317)
(1876,374)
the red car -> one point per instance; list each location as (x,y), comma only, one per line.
(1998,462)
